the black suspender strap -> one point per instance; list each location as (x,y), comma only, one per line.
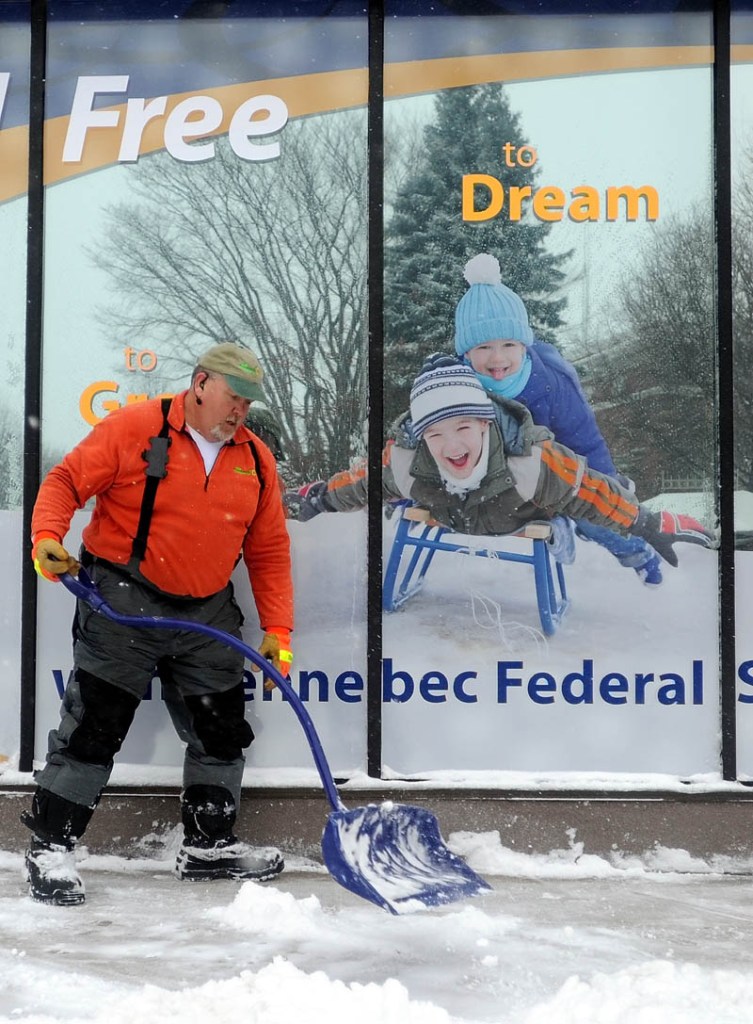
(156,460)
(257,465)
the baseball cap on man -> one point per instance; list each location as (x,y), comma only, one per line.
(239,366)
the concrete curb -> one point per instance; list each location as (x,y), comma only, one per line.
(129,820)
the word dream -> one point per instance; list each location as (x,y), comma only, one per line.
(484,197)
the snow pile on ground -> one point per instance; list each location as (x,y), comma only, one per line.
(655,993)
(564,938)
(485,853)
(277,994)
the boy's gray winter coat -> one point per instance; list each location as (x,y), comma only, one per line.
(529,477)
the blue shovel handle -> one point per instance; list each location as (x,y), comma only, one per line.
(85,589)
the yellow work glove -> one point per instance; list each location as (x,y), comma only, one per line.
(51,559)
(275,647)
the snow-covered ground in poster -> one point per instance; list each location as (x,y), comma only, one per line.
(628,683)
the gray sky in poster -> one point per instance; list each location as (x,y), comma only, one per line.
(636,128)
(641,128)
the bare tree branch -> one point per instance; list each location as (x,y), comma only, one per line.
(272,255)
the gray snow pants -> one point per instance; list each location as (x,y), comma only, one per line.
(202,685)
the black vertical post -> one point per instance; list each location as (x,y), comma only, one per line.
(725,406)
(376,378)
(32,382)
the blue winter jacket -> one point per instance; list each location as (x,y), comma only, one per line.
(555,399)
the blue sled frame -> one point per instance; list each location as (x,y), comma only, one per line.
(418,538)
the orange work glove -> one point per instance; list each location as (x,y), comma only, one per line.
(51,559)
(275,647)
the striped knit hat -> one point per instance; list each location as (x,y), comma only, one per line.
(446,388)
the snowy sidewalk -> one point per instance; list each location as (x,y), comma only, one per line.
(562,938)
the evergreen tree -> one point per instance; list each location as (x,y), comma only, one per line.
(428,243)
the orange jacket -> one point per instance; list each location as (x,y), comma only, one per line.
(201,524)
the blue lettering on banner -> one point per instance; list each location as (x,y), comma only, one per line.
(614,688)
(57,675)
(583,685)
(349,687)
(433,687)
(745,675)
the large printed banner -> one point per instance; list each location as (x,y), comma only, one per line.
(209,179)
(741,104)
(206,180)
(14,158)
(585,170)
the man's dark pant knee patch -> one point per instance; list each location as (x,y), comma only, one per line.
(106,716)
(219,722)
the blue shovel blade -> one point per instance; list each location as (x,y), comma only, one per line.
(394,856)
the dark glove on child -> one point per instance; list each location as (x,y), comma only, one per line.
(314,501)
(663,529)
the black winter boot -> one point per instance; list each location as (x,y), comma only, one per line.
(56,824)
(210,849)
(52,874)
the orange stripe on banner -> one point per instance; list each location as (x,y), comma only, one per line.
(340,90)
(571,465)
(571,462)
(303,95)
(425,76)
(14,162)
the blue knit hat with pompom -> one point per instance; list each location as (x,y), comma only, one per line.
(489,309)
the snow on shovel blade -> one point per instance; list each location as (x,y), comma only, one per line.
(393,855)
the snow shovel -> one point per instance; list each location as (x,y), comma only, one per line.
(390,854)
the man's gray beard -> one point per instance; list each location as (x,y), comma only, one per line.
(222,434)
